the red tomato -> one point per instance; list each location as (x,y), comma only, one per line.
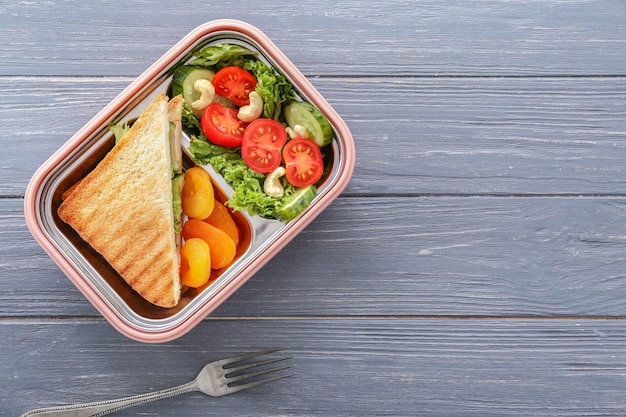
(261,144)
(235,84)
(303,162)
(221,125)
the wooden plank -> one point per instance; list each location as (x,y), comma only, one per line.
(328,38)
(396,257)
(38,115)
(368,367)
(418,136)
(474,266)
(485,135)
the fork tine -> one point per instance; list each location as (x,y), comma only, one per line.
(235,359)
(229,375)
(242,377)
(252,384)
(234,369)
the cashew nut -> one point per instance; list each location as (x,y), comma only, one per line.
(297,132)
(272,185)
(207,94)
(253,110)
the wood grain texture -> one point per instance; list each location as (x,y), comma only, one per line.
(397,257)
(366,367)
(443,136)
(327,37)
(474,265)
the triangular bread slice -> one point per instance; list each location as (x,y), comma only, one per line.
(123,208)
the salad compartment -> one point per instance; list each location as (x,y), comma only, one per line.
(260,237)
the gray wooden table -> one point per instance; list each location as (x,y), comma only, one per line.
(474,266)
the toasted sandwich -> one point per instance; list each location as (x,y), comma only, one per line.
(126,207)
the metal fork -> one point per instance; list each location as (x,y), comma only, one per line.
(215,379)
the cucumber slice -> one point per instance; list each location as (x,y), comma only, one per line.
(183,79)
(311,118)
(296,203)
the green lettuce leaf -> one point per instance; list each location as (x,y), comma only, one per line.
(119,130)
(214,54)
(177,205)
(188,119)
(247,184)
(273,87)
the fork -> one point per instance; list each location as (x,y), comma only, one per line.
(216,379)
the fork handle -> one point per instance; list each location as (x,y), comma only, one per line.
(100,408)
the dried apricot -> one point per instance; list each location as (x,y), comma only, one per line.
(222,247)
(222,219)
(195,263)
(198,196)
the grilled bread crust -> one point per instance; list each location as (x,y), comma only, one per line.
(123,208)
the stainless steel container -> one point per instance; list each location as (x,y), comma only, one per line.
(261,238)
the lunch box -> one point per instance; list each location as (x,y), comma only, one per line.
(261,238)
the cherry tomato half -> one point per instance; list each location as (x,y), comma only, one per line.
(261,144)
(303,162)
(221,125)
(235,84)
